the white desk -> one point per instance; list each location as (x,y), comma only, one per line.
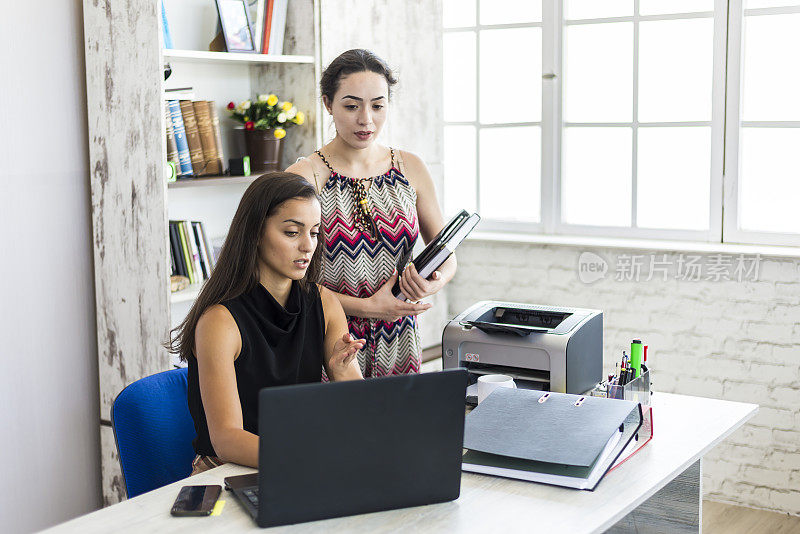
(658,487)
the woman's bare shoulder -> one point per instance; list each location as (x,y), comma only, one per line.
(311,168)
(410,159)
(304,167)
(326,296)
(416,172)
(217,331)
(217,314)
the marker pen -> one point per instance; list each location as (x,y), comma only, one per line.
(637,353)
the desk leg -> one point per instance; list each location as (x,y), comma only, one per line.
(676,507)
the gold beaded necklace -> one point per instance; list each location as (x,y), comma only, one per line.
(361,212)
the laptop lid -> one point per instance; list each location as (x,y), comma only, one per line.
(345,448)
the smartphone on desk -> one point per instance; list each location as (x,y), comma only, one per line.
(196,500)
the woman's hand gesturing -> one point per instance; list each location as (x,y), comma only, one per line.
(386,307)
(344,351)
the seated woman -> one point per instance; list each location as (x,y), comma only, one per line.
(261,320)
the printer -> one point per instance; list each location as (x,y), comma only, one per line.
(548,348)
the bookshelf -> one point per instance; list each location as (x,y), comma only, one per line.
(224,77)
(131,202)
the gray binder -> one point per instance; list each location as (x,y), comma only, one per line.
(555,438)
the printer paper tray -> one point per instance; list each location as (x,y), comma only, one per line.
(499,328)
(514,372)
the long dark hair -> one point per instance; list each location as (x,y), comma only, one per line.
(236,271)
(355,60)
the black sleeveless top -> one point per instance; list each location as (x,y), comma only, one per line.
(280,346)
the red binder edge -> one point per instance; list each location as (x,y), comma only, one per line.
(647,420)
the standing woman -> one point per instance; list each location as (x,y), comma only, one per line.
(376,201)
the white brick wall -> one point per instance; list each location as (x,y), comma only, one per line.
(728,339)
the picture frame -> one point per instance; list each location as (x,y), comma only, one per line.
(237,32)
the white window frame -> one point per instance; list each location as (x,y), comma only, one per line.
(731,231)
(723,183)
(488,224)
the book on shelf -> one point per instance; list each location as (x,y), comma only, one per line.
(172,147)
(177,252)
(179,132)
(186,251)
(194,251)
(212,111)
(165,28)
(205,264)
(278,26)
(193,137)
(266,26)
(172,265)
(212,162)
(190,251)
(257,16)
(270,27)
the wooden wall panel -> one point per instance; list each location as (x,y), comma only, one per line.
(125,119)
(295,83)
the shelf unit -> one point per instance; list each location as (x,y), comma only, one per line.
(211,180)
(223,77)
(185,295)
(222,57)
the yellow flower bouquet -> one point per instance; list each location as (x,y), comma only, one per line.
(267,112)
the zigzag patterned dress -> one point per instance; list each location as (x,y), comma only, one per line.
(356,264)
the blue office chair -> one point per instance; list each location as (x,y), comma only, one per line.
(154,431)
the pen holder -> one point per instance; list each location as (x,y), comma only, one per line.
(637,390)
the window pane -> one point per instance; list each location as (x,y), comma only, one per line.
(675,70)
(770,75)
(598,73)
(458,13)
(511,190)
(459,76)
(596,188)
(511,89)
(769,179)
(674,178)
(459,169)
(659,7)
(593,9)
(510,11)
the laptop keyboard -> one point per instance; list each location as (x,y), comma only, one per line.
(252,495)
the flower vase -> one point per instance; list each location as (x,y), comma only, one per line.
(264,150)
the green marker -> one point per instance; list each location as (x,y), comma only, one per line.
(637,352)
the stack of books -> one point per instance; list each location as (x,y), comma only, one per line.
(268,20)
(270,25)
(194,141)
(191,253)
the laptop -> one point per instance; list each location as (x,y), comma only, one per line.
(345,448)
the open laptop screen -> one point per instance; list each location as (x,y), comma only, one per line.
(344,448)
